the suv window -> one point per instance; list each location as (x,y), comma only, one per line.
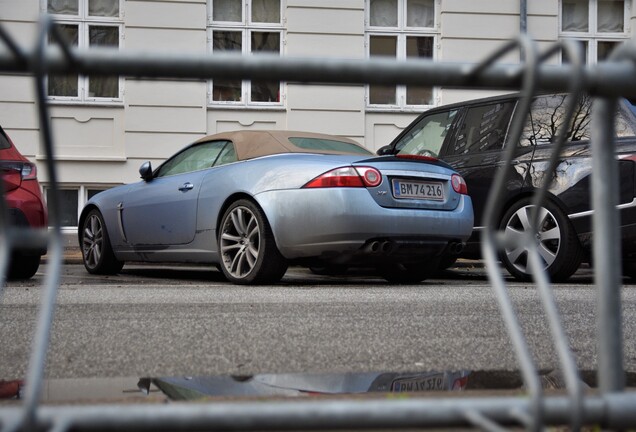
(547,116)
(4,142)
(427,136)
(483,128)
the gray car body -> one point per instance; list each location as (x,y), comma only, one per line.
(160,220)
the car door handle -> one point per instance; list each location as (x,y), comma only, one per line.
(186,187)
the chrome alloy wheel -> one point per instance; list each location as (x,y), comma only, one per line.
(93,241)
(548,237)
(240,241)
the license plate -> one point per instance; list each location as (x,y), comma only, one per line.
(418,190)
(419,384)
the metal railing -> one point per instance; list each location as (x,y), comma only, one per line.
(612,407)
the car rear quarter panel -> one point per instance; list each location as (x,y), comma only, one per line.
(225,184)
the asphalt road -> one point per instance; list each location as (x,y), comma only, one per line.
(157,321)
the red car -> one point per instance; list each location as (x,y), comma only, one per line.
(26,207)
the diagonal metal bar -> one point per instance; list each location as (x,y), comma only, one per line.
(560,340)
(490,243)
(47,307)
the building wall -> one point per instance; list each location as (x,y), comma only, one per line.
(101,145)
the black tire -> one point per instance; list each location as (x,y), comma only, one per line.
(559,245)
(249,254)
(411,273)
(23,266)
(97,252)
(629,269)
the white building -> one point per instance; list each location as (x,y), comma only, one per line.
(104,128)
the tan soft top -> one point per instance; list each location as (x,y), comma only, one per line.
(251,144)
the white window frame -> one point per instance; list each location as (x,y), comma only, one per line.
(592,36)
(246,28)
(402,32)
(83,22)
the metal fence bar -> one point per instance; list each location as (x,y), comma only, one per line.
(607,256)
(317,414)
(39,350)
(613,408)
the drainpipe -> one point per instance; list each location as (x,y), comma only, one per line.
(523,16)
(523,23)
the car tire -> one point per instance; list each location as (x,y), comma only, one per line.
(411,273)
(249,254)
(629,269)
(23,266)
(97,253)
(559,245)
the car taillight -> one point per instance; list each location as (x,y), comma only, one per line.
(347,177)
(29,171)
(459,184)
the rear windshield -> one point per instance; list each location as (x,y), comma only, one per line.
(329,145)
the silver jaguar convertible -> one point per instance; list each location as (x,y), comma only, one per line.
(254,202)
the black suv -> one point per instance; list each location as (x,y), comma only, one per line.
(470,137)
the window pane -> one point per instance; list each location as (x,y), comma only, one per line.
(382,46)
(265,91)
(227,10)
(226,90)
(611,16)
(92,192)
(420,13)
(266,11)
(547,115)
(64,85)
(604,49)
(65,7)
(383,13)
(419,47)
(228,155)
(327,144)
(107,36)
(584,51)
(196,157)
(484,128)
(67,206)
(428,135)
(266,42)
(104,8)
(574,15)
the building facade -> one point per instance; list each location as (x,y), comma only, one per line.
(105,127)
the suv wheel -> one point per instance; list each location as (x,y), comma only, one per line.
(558,244)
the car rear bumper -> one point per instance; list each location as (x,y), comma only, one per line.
(331,221)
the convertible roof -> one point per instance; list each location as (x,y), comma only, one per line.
(254,143)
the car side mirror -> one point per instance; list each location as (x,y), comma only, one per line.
(145,171)
(385,150)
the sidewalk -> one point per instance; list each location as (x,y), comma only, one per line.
(71,255)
